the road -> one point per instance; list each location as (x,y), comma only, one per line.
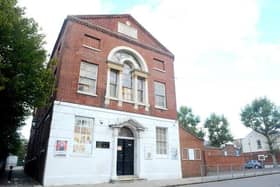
(260,181)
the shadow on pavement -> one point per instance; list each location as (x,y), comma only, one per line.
(19,178)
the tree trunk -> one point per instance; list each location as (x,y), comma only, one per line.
(272,151)
(274,160)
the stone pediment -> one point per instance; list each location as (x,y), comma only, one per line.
(129,123)
(123,26)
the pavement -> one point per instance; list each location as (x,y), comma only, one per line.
(19,179)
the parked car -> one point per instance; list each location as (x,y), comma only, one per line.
(253,164)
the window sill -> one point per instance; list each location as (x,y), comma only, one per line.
(81,155)
(160,70)
(86,93)
(191,160)
(163,156)
(161,108)
(91,48)
(128,101)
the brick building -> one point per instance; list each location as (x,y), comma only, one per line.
(192,153)
(113,113)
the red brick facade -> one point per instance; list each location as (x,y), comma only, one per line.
(70,52)
(190,168)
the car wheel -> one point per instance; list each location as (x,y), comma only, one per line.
(256,167)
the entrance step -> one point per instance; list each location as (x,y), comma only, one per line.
(127,179)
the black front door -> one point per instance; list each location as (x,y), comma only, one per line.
(125,157)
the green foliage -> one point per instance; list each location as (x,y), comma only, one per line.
(25,81)
(21,151)
(189,121)
(263,116)
(219,133)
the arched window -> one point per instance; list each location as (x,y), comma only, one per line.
(127,75)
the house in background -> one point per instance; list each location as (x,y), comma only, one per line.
(192,153)
(254,142)
(231,149)
(113,113)
(254,146)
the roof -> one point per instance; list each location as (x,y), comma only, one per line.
(212,147)
(187,130)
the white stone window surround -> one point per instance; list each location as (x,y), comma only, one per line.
(85,154)
(190,154)
(139,71)
(162,156)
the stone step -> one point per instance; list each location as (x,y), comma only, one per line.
(126,179)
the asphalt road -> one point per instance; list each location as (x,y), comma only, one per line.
(260,181)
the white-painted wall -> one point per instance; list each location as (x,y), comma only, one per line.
(249,143)
(96,168)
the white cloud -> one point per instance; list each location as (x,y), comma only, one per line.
(51,14)
(219,64)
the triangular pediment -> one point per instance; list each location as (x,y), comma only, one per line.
(124,25)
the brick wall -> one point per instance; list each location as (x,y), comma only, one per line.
(190,168)
(254,156)
(72,53)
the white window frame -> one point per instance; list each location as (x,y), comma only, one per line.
(128,90)
(160,95)
(117,83)
(94,79)
(142,91)
(90,146)
(162,155)
(189,154)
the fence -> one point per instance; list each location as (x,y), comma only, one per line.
(231,171)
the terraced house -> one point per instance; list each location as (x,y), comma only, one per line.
(113,114)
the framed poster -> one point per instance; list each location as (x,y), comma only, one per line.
(61,147)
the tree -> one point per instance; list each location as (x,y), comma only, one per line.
(219,133)
(25,80)
(189,121)
(263,116)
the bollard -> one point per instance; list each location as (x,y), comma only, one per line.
(218,172)
(231,171)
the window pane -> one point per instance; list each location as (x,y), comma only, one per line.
(113,76)
(191,154)
(140,89)
(197,154)
(127,77)
(88,76)
(87,85)
(127,82)
(113,83)
(161,140)
(127,93)
(113,90)
(83,135)
(160,99)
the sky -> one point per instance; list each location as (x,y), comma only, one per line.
(227,52)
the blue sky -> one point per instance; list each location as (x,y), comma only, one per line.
(227,53)
(268,24)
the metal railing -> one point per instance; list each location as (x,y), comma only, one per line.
(232,171)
